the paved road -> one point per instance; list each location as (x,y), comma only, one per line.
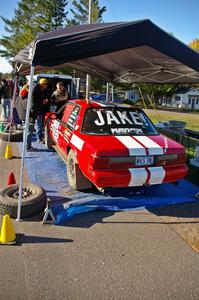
(101,255)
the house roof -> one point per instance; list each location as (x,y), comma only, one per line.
(182,90)
(185,90)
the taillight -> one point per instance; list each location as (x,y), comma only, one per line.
(166,159)
(101,163)
(113,162)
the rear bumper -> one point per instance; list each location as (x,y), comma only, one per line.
(137,176)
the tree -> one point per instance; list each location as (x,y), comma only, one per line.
(195,44)
(30,19)
(81,9)
(50,14)
(158,91)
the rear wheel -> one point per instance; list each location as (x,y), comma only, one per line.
(48,140)
(76,179)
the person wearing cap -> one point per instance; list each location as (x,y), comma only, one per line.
(40,104)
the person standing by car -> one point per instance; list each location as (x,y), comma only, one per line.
(40,104)
(21,106)
(60,96)
(5,95)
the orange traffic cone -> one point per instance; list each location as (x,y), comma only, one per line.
(11,179)
(8,236)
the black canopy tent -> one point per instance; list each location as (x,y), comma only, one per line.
(130,52)
(117,52)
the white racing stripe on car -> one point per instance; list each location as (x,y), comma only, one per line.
(154,148)
(132,145)
(77,142)
(157,175)
(138,176)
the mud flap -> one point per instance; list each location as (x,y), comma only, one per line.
(82,182)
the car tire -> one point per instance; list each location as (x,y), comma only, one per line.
(48,140)
(15,135)
(76,179)
(33,202)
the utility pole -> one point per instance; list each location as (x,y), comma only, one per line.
(88,77)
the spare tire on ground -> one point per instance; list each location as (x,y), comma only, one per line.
(33,200)
(16,135)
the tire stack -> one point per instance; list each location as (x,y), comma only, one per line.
(33,200)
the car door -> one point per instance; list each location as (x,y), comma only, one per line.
(67,124)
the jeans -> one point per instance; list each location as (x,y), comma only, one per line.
(6,108)
(38,127)
(29,135)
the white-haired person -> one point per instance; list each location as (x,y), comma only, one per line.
(60,96)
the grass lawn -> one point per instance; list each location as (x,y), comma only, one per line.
(192,119)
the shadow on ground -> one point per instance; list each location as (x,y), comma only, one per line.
(186,210)
(32,239)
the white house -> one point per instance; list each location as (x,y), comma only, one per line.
(187,98)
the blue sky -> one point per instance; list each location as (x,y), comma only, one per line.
(180,17)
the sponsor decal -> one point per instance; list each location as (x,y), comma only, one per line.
(77,142)
(129,131)
(55,125)
(67,133)
(118,118)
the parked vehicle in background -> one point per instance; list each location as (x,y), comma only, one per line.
(69,82)
(112,146)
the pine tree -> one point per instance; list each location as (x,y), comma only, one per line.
(30,19)
(80,12)
(50,14)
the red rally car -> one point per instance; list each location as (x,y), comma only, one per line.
(112,145)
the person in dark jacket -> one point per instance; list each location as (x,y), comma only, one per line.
(40,104)
(5,95)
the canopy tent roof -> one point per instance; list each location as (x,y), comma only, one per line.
(117,52)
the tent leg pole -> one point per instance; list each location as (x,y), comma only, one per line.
(107,92)
(142,97)
(88,83)
(112,93)
(153,106)
(25,142)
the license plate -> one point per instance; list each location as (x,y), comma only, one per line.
(143,160)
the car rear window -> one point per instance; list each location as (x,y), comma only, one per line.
(117,121)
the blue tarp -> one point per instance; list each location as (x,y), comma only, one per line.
(48,170)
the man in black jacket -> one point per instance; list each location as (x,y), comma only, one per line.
(40,104)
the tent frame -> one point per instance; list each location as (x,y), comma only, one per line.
(32,69)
